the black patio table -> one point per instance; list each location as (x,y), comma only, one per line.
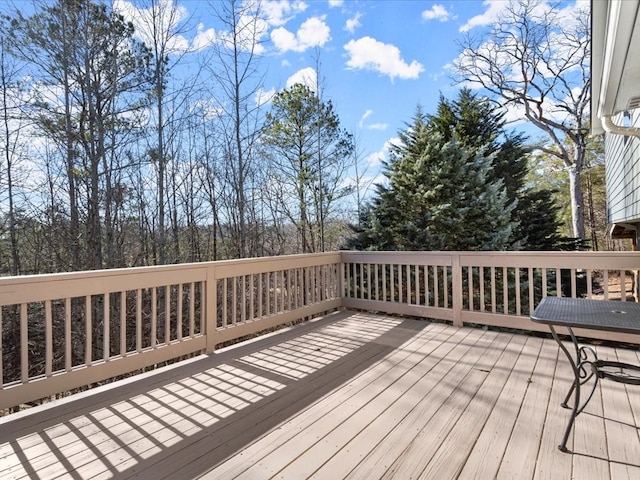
(613,316)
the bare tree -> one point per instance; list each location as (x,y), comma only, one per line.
(236,58)
(361,181)
(12,124)
(535,59)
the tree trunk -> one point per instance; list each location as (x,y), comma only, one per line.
(591,213)
(577,209)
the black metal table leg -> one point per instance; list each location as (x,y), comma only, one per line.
(575,389)
(581,375)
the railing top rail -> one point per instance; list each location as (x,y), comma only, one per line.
(593,260)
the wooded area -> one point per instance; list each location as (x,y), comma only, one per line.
(122,148)
(121,152)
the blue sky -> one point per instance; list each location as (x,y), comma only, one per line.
(379,59)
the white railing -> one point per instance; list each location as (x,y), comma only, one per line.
(97,325)
(64,331)
(484,288)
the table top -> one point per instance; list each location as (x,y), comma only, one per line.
(613,316)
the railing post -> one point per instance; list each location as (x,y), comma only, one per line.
(341,281)
(212,308)
(456,273)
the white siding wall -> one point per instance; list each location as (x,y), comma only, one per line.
(623,173)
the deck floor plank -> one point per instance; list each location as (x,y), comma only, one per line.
(487,454)
(521,453)
(454,451)
(341,451)
(551,463)
(448,374)
(589,439)
(624,455)
(301,432)
(413,460)
(354,395)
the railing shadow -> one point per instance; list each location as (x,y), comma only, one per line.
(186,420)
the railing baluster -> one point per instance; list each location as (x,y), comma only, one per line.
(445,282)
(436,288)
(234,300)
(243,289)
(48,334)
(260,295)
(154,317)
(589,283)
(505,290)
(544,282)
(605,280)
(558,282)
(167,314)
(192,309)
(531,290)
(573,274)
(623,285)
(282,290)
(252,286)
(518,293)
(481,281)
(139,320)
(24,344)
(493,289)
(392,272)
(203,310)
(67,335)
(417,282)
(123,323)
(225,303)
(409,289)
(470,286)
(179,312)
(88,330)
(426,285)
(376,276)
(384,282)
(106,343)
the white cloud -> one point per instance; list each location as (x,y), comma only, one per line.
(437,12)
(264,96)
(335,3)
(495,8)
(371,126)
(365,115)
(367,53)
(314,32)
(165,14)
(306,76)
(283,39)
(376,158)
(377,126)
(279,12)
(353,23)
(204,37)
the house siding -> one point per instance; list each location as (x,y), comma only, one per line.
(623,173)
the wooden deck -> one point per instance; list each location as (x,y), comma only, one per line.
(353,395)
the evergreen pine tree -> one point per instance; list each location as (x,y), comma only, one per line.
(439,197)
(475,123)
